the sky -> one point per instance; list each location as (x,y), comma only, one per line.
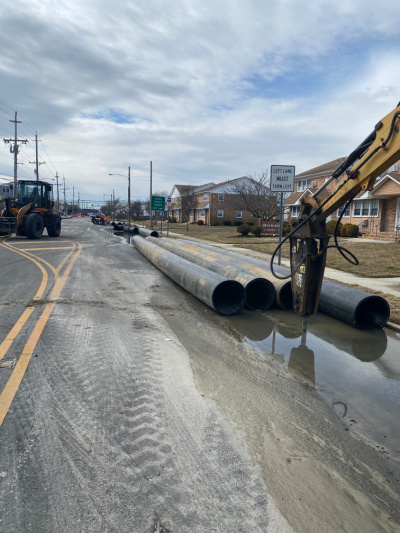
(207,90)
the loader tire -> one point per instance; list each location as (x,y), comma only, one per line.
(33,226)
(54,226)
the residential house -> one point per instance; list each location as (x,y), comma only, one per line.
(215,204)
(376,212)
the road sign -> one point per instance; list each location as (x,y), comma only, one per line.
(169,201)
(157,203)
(282,178)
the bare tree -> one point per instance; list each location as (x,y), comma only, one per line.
(137,210)
(253,194)
(187,202)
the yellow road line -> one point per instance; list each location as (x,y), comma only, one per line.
(23,241)
(52,248)
(33,257)
(5,345)
(12,385)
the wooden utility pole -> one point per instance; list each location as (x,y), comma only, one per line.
(36,163)
(58,194)
(129,196)
(14,149)
(65,202)
(151,193)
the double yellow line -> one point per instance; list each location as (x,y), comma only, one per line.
(13,383)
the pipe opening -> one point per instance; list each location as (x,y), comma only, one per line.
(228,297)
(260,294)
(372,312)
(284,296)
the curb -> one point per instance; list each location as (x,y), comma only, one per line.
(393,326)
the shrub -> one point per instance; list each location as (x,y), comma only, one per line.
(237,223)
(331,225)
(256,231)
(286,228)
(343,230)
(200,222)
(244,229)
(172,219)
(227,222)
(351,230)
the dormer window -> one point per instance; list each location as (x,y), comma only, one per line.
(302,185)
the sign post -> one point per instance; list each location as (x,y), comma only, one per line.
(168,206)
(282,180)
(157,204)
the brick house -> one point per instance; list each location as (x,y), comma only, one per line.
(215,204)
(376,212)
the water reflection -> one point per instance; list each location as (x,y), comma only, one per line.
(356,371)
(301,363)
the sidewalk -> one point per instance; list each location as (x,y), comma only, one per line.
(384,285)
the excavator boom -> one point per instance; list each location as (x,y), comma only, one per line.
(309,238)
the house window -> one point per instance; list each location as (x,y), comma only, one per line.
(302,185)
(238,214)
(295,210)
(220,213)
(220,197)
(202,213)
(365,208)
(205,197)
(340,211)
(191,213)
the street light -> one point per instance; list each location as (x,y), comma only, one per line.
(129,191)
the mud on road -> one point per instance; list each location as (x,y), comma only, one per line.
(145,411)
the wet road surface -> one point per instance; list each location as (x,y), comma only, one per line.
(143,410)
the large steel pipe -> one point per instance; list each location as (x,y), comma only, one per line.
(358,308)
(224,295)
(147,232)
(131,229)
(260,292)
(283,288)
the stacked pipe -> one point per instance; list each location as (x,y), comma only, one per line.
(358,308)
(221,294)
(260,292)
(283,288)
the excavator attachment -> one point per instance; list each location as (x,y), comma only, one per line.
(308,247)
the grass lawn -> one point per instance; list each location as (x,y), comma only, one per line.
(376,260)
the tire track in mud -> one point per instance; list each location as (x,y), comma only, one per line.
(132,442)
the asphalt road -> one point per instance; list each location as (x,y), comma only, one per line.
(128,406)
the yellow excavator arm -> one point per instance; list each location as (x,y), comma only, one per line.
(309,238)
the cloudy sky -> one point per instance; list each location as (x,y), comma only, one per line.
(208,90)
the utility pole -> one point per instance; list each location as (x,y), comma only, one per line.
(129,196)
(113,204)
(73,200)
(65,203)
(37,160)
(151,193)
(14,149)
(58,194)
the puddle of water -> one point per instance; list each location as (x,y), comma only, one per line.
(357,372)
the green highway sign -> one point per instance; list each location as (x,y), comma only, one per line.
(157,203)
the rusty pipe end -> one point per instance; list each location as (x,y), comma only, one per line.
(260,294)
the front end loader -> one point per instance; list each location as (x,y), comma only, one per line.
(30,211)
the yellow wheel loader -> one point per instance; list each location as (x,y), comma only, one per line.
(29,211)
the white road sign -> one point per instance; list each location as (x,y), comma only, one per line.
(169,201)
(282,178)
